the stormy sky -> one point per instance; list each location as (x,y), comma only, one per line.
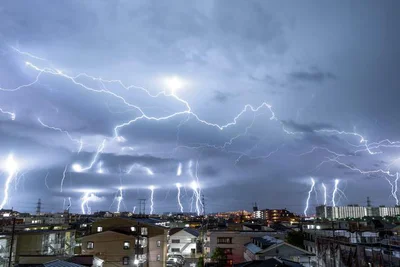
(250,98)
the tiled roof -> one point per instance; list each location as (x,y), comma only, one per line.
(58,263)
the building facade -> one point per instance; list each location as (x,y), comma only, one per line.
(183,241)
(120,241)
(355,211)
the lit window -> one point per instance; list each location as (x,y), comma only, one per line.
(158,243)
(133,229)
(158,257)
(127,245)
(99,229)
(90,245)
(125,261)
(144,231)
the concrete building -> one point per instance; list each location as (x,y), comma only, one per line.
(266,247)
(231,241)
(275,215)
(120,241)
(37,241)
(183,241)
(355,211)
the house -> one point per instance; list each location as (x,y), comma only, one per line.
(54,263)
(267,247)
(183,241)
(273,262)
(231,241)
(122,241)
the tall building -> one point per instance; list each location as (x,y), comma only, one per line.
(355,211)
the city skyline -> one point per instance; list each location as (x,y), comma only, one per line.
(281,104)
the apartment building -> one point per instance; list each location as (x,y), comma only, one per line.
(231,241)
(120,241)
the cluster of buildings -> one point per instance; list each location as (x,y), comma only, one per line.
(276,237)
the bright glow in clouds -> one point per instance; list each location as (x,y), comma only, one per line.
(78,168)
(151,199)
(334,192)
(174,84)
(309,196)
(178,197)
(11,167)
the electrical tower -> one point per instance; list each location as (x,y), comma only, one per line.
(38,207)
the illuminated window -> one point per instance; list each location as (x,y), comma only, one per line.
(125,261)
(99,229)
(90,245)
(144,231)
(133,229)
(127,245)
(224,240)
(158,243)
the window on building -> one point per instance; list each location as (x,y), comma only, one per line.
(125,261)
(228,251)
(90,245)
(175,250)
(224,240)
(133,229)
(158,243)
(127,245)
(159,257)
(175,241)
(144,231)
(99,229)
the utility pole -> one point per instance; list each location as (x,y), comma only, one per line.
(11,243)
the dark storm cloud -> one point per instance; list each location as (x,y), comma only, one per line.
(230,55)
(313,75)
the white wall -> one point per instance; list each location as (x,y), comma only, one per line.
(184,238)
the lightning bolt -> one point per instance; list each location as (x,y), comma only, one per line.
(27,54)
(394,188)
(119,199)
(45,181)
(87,196)
(335,190)
(78,168)
(12,168)
(324,187)
(79,142)
(9,113)
(134,209)
(179,170)
(63,178)
(309,196)
(178,197)
(151,199)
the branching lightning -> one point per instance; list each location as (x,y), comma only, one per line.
(85,202)
(335,190)
(78,168)
(11,167)
(78,141)
(309,196)
(179,170)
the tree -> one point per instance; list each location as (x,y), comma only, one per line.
(295,238)
(200,262)
(219,256)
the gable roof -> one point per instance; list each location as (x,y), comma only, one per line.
(59,263)
(285,244)
(273,262)
(191,231)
